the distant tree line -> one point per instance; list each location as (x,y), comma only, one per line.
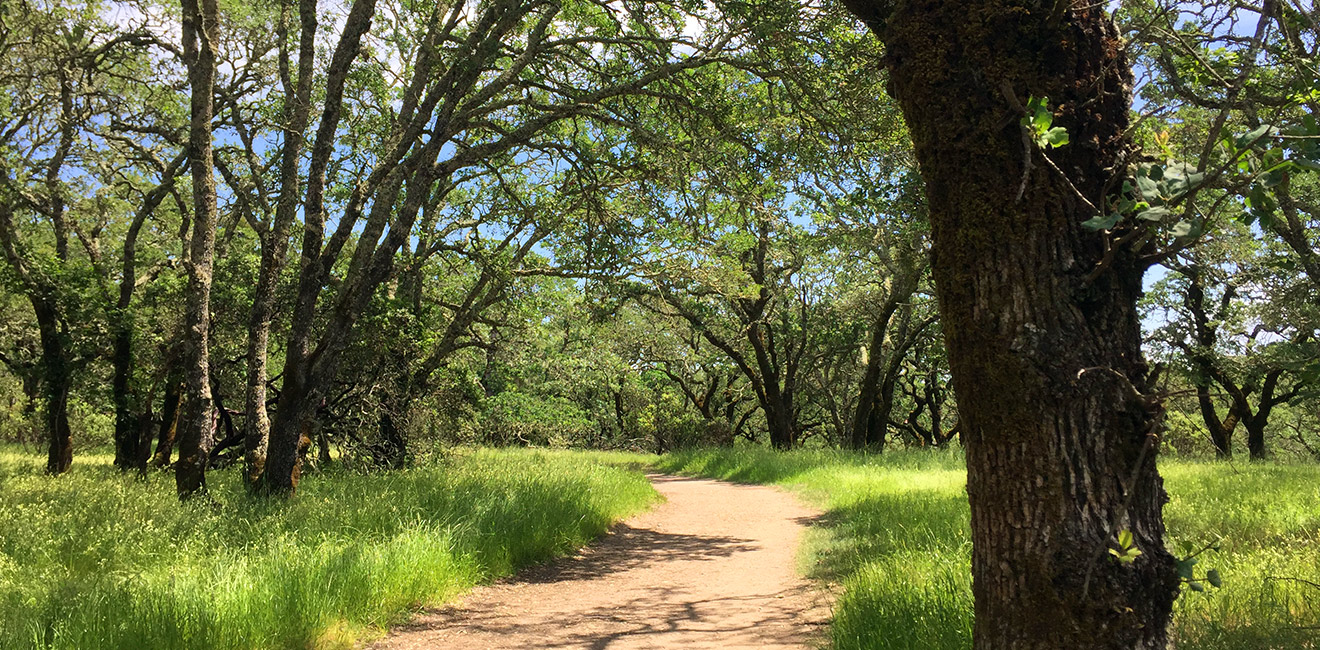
(267,233)
(283,233)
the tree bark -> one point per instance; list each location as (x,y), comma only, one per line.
(1221,431)
(870,395)
(1059,423)
(57,380)
(776,394)
(169,424)
(907,336)
(298,397)
(127,427)
(779,417)
(1255,423)
(201,33)
(275,243)
(863,432)
(1255,439)
(888,368)
(53,368)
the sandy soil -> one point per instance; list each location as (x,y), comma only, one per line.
(713,567)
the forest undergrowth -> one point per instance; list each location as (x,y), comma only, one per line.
(98,560)
(895,540)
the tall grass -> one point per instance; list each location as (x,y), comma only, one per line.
(896,538)
(96,560)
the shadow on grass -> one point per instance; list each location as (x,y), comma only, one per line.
(903,560)
(882,525)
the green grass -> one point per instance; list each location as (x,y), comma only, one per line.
(97,560)
(895,536)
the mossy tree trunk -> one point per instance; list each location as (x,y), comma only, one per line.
(300,395)
(201,35)
(275,237)
(1045,350)
(871,418)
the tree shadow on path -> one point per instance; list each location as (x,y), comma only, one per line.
(626,548)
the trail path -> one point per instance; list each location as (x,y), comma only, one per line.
(713,567)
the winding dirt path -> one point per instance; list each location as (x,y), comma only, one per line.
(713,567)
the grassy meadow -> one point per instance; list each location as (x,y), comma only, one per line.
(895,540)
(98,560)
(94,560)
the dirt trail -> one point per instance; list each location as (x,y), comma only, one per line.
(713,567)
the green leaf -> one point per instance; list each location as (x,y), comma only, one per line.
(1101,222)
(1150,189)
(1057,136)
(1251,138)
(1181,229)
(1042,120)
(1212,576)
(1306,163)
(1154,214)
(1185,568)
(1125,538)
(1196,586)
(1038,111)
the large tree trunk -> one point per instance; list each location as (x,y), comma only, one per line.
(863,431)
(777,379)
(1255,438)
(200,36)
(57,381)
(299,396)
(283,467)
(779,420)
(876,425)
(1221,431)
(1044,346)
(128,427)
(275,244)
(53,368)
(1255,423)
(776,400)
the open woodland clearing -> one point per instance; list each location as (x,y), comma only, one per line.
(317,314)
(104,561)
